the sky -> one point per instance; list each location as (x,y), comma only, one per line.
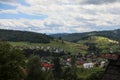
(60,16)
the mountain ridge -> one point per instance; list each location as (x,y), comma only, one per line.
(74,37)
(27,36)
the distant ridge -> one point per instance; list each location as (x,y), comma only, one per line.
(26,36)
(74,37)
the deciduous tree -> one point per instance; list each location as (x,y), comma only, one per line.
(11,61)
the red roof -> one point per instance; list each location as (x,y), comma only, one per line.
(46,65)
(24,71)
(113,56)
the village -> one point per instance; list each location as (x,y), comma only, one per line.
(86,61)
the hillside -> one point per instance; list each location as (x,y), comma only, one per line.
(97,39)
(75,37)
(16,36)
(103,44)
(74,48)
(31,39)
(104,40)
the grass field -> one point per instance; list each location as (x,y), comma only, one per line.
(98,39)
(103,43)
(67,46)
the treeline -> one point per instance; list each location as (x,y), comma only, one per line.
(74,37)
(16,36)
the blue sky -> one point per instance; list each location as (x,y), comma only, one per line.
(60,16)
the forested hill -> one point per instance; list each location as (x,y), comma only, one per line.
(13,35)
(74,37)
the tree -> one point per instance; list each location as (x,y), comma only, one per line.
(74,68)
(95,75)
(57,70)
(62,41)
(119,44)
(92,48)
(11,61)
(60,38)
(67,73)
(70,73)
(34,68)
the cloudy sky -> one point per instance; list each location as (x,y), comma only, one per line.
(60,16)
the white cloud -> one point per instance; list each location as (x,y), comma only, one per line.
(7,1)
(65,15)
(9,12)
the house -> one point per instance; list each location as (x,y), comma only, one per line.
(46,65)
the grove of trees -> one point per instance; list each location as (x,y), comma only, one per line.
(15,36)
(11,62)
